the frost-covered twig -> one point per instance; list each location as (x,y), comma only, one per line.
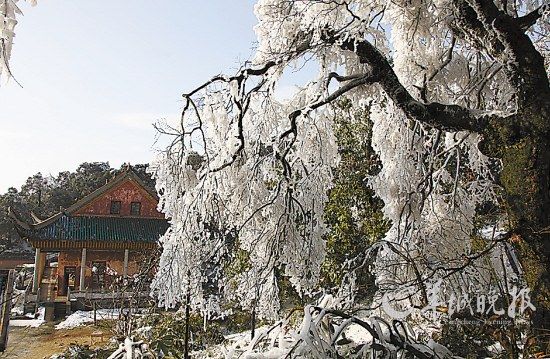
(9,11)
(322,335)
(132,350)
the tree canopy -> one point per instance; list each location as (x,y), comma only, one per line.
(460,102)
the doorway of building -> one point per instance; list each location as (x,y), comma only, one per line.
(98,274)
(69,279)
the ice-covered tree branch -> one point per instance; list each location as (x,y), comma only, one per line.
(445,117)
(9,11)
(449,87)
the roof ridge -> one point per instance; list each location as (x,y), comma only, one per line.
(23,224)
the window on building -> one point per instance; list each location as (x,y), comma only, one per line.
(115,207)
(135,208)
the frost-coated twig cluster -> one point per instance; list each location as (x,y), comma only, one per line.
(131,349)
(328,333)
(8,19)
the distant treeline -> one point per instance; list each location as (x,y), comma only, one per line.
(46,195)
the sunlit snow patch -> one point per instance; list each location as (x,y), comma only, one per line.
(80,317)
(33,323)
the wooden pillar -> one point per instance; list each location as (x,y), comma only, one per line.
(125,270)
(36,276)
(41,267)
(7,288)
(68,302)
(82,270)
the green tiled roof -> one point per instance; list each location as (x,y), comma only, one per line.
(113,229)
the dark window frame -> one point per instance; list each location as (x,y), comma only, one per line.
(135,213)
(69,279)
(114,209)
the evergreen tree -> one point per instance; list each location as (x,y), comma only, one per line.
(353,212)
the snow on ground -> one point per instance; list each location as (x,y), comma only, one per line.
(236,342)
(245,335)
(16,311)
(81,317)
(33,323)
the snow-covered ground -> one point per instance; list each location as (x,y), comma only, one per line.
(81,317)
(29,322)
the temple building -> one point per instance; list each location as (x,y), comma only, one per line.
(99,241)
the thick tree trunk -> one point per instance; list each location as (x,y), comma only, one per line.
(526,180)
(522,141)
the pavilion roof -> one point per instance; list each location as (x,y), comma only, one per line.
(65,227)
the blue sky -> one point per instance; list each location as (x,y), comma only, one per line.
(96,74)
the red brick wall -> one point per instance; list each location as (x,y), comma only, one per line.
(126,192)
